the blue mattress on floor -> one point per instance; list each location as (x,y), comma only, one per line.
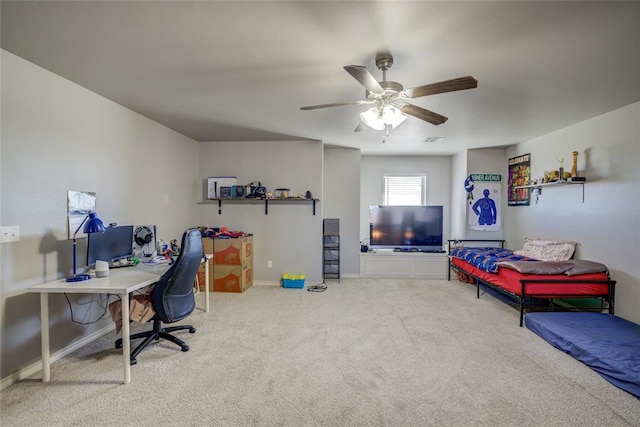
(607,344)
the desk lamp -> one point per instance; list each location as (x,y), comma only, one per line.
(94,225)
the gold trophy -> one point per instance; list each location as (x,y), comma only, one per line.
(574,166)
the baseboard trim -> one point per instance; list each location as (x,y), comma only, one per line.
(31,369)
(266,283)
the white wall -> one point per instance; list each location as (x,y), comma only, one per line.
(341,195)
(606,224)
(290,235)
(458,196)
(145,173)
(57,136)
(491,161)
(438,172)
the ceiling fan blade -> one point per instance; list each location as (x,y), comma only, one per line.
(422,114)
(461,83)
(364,76)
(360,128)
(335,104)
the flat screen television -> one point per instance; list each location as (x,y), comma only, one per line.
(114,244)
(406,228)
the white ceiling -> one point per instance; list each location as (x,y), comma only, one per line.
(240,71)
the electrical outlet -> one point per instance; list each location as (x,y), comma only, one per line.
(269,264)
(10,233)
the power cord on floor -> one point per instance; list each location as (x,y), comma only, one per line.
(317,288)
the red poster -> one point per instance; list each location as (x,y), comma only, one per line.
(519,175)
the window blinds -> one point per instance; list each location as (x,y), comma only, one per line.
(404,190)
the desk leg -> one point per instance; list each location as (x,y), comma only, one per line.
(126,342)
(44,336)
(206,285)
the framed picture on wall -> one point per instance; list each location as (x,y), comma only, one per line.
(519,174)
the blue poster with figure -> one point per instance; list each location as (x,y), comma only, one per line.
(484,197)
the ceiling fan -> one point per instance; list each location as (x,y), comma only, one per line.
(390,99)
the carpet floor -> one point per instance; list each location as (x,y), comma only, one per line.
(366,352)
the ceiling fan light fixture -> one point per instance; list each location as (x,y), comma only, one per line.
(373,118)
(391,115)
(379,118)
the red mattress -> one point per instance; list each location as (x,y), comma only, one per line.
(509,280)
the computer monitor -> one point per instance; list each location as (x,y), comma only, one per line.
(114,244)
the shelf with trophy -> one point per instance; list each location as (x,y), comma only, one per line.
(557,178)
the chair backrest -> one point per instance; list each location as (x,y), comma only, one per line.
(173,298)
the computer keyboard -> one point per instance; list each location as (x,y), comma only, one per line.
(120,264)
(158,259)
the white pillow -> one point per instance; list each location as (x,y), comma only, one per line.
(547,250)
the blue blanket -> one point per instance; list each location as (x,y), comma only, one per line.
(607,344)
(486,258)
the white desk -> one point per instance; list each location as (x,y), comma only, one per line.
(120,281)
(207,257)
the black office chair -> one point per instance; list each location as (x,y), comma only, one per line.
(172,298)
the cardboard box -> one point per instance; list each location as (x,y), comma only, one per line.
(232,278)
(215,182)
(238,251)
(229,251)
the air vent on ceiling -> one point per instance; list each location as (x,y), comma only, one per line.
(435,139)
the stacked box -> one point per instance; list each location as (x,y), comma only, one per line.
(232,251)
(232,278)
(231,268)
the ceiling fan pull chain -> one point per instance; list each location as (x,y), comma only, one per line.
(386,134)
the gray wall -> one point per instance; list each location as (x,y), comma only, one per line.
(57,136)
(290,235)
(341,194)
(487,160)
(146,173)
(459,173)
(437,169)
(606,224)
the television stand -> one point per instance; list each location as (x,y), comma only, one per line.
(404,264)
(414,250)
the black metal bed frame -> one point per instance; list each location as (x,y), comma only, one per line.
(520,299)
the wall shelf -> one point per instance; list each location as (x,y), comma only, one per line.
(266,202)
(539,187)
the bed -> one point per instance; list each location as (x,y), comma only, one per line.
(542,270)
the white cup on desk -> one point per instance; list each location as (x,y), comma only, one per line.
(102,268)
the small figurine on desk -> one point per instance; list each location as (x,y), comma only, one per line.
(175,249)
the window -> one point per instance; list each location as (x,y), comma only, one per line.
(404,190)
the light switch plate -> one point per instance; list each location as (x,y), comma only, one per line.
(10,233)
